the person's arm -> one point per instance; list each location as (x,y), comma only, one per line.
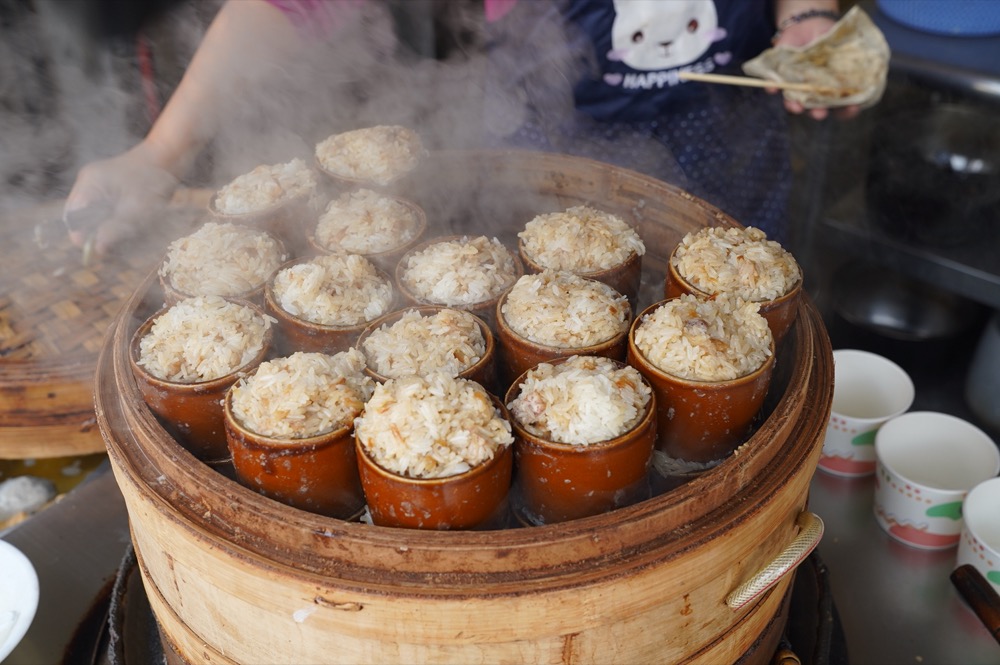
(247,41)
(799,22)
(818,12)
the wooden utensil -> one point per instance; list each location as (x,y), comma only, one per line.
(757,83)
(979,593)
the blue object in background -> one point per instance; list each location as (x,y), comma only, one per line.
(958,18)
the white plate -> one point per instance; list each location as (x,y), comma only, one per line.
(18,596)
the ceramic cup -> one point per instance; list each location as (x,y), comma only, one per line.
(400,182)
(387,259)
(517,354)
(298,334)
(701,421)
(482,371)
(868,390)
(780,313)
(193,412)
(172,295)
(926,464)
(282,220)
(476,499)
(317,473)
(980,540)
(557,482)
(624,278)
(485,309)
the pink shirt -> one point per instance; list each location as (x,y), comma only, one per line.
(315,17)
(495,9)
(321,16)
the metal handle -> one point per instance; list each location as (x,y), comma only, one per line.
(810,533)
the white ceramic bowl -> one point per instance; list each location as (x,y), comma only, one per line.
(18,597)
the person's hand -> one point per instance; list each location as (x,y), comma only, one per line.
(112,198)
(800,34)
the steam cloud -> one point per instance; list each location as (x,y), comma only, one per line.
(68,99)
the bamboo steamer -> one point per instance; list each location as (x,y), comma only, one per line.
(233,577)
(54,313)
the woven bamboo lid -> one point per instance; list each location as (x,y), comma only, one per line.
(54,312)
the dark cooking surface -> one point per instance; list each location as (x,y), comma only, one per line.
(914,182)
(864,181)
(970,266)
(934,176)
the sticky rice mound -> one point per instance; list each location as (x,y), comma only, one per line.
(582,239)
(449,341)
(366,222)
(334,290)
(585,400)
(741,262)
(201,339)
(266,186)
(221,260)
(705,340)
(460,272)
(303,395)
(564,310)
(377,154)
(431,427)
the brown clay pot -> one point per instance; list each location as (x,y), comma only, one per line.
(193,412)
(701,421)
(780,312)
(476,499)
(557,482)
(486,310)
(318,473)
(282,220)
(517,354)
(623,278)
(338,183)
(172,295)
(388,259)
(482,372)
(297,334)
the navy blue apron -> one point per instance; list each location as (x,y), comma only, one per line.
(598,78)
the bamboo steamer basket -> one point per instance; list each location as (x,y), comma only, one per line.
(699,574)
(54,313)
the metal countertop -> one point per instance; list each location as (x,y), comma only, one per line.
(76,546)
(896,603)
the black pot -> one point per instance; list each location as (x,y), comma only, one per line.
(934,176)
(893,305)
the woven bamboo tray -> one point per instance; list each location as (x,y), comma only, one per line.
(54,312)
